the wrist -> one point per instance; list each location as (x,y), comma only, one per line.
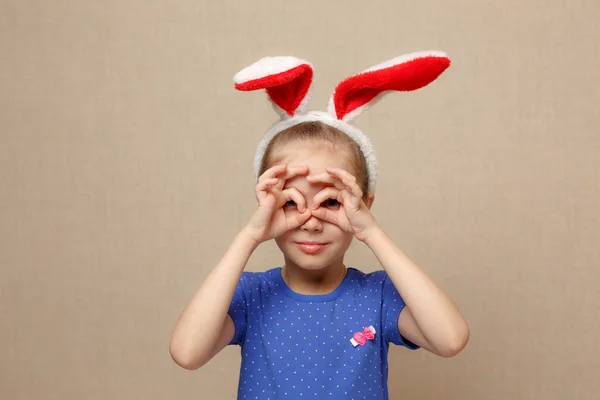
(373,235)
(247,238)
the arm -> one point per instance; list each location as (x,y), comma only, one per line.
(204,328)
(430,319)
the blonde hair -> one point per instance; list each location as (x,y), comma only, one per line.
(316,131)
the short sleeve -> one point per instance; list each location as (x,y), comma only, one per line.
(392,305)
(238,310)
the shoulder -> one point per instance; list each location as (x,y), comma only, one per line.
(260,277)
(256,283)
(376,278)
(368,283)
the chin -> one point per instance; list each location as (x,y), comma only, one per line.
(310,265)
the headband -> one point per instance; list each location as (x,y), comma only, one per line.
(288,83)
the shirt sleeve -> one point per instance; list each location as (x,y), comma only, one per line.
(392,305)
(238,310)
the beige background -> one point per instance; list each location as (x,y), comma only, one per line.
(125,172)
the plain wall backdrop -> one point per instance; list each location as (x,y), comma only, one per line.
(125,173)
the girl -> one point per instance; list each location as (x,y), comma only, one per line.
(313,328)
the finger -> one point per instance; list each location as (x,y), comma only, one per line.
(273,172)
(292,172)
(293,194)
(295,171)
(326,178)
(326,215)
(299,218)
(353,189)
(341,173)
(263,185)
(325,194)
(347,179)
(289,173)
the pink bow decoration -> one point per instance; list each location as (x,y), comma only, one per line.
(360,338)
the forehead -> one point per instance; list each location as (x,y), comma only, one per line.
(317,156)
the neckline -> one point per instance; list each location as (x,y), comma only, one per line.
(313,298)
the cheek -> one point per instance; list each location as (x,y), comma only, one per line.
(280,242)
(341,236)
(347,239)
(282,238)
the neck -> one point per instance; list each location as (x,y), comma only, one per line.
(313,282)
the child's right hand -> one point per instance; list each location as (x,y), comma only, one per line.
(271,219)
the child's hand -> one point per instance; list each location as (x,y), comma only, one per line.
(270,220)
(351,214)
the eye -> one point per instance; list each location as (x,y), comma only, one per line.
(290,204)
(331,203)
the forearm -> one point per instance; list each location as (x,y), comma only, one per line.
(436,316)
(197,329)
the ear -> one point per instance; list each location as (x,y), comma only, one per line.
(287,81)
(370,200)
(405,73)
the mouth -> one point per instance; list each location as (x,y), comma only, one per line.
(309,247)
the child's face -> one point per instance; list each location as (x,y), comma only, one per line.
(336,241)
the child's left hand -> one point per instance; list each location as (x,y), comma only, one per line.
(352,214)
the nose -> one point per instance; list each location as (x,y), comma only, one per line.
(313,224)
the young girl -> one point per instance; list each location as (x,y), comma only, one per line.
(313,328)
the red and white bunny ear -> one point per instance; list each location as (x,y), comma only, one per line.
(405,73)
(287,81)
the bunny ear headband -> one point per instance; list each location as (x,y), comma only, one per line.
(288,81)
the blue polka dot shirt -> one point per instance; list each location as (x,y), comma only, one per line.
(330,346)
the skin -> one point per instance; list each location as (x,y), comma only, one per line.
(312,195)
(322,272)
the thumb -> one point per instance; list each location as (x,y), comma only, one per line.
(299,218)
(325,215)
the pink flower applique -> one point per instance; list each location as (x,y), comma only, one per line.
(360,338)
